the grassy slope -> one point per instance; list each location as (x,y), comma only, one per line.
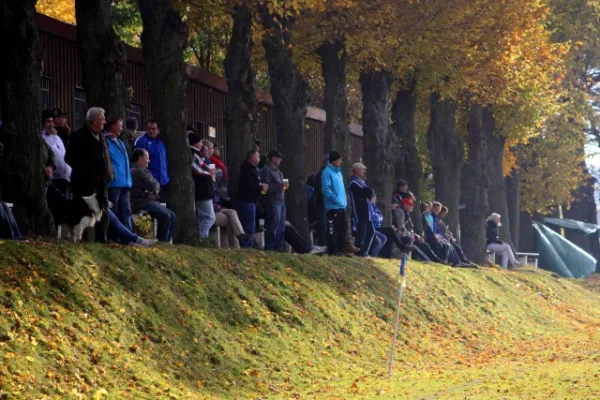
(98,322)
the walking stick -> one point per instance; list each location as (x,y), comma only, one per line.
(400,291)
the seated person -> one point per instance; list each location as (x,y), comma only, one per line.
(298,243)
(229,219)
(145,195)
(447,234)
(410,241)
(426,213)
(495,245)
(436,209)
(379,239)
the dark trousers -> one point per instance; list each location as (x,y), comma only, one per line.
(364,237)
(379,240)
(392,239)
(298,243)
(275,226)
(336,231)
(64,186)
(8,225)
(247,215)
(425,252)
(460,253)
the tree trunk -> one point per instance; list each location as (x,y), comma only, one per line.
(376,86)
(241,96)
(447,156)
(163,42)
(102,57)
(406,161)
(337,131)
(27,153)
(497,189)
(475,184)
(513,200)
(290,99)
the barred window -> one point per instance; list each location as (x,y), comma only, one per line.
(44,93)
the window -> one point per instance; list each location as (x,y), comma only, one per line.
(80,107)
(45,93)
(200,128)
(135,111)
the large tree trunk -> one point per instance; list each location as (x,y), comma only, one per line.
(497,189)
(475,184)
(376,86)
(26,155)
(102,57)
(163,42)
(513,200)
(290,99)
(406,161)
(447,156)
(240,114)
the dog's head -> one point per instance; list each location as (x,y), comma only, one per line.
(94,206)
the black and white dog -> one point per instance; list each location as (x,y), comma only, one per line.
(72,217)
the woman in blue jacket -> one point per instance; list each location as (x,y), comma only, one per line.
(119,188)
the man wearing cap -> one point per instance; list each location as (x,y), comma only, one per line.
(410,240)
(274,202)
(360,200)
(62,173)
(335,203)
(62,125)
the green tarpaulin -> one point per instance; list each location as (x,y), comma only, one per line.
(588,229)
(559,255)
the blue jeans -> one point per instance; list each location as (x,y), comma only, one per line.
(117,232)
(120,197)
(165,218)
(364,237)
(379,240)
(275,226)
(205,216)
(247,215)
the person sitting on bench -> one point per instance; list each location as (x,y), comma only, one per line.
(495,245)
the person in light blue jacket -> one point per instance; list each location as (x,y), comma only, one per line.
(119,189)
(335,202)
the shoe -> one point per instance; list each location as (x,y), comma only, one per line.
(145,242)
(351,248)
(318,250)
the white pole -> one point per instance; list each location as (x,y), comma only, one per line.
(396,323)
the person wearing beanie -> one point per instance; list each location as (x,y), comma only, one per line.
(275,211)
(335,203)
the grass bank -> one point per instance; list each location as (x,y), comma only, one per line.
(87,321)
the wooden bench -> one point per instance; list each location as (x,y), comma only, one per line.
(521,257)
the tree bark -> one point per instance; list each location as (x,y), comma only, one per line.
(513,200)
(475,184)
(376,86)
(240,114)
(163,42)
(333,68)
(447,156)
(26,153)
(497,189)
(102,57)
(406,162)
(290,99)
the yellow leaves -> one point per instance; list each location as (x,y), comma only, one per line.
(63,10)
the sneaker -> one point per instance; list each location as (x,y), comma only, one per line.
(145,242)
(318,250)
(351,248)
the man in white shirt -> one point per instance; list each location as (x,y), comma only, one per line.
(62,173)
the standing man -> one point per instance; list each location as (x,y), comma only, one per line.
(88,157)
(335,203)
(119,189)
(275,202)
(62,125)
(155,146)
(62,173)
(204,184)
(360,199)
(249,191)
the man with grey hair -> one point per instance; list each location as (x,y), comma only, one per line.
(90,162)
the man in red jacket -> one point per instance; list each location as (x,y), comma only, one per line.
(215,158)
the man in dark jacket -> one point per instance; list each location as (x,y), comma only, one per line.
(274,202)
(250,189)
(411,241)
(204,184)
(145,195)
(63,130)
(90,162)
(360,199)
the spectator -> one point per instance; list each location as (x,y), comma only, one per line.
(379,238)
(316,206)
(335,203)
(275,202)
(229,219)
(495,245)
(442,248)
(145,195)
(119,189)
(215,158)
(62,173)
(439,212)
(88,156)
(360,201)
(298,243)
(402,191)
(249,191)
(151,141)
(61,124)
(409,239)
(426,212)
(204,184)
(130,134)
